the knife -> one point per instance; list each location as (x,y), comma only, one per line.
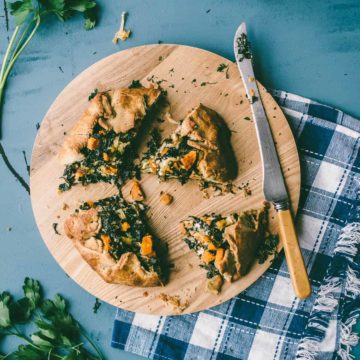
(274,187)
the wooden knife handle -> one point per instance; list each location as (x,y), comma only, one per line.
(294,259)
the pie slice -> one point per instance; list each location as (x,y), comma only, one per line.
(99,148)
(113,238)
(226,245)
(199,148)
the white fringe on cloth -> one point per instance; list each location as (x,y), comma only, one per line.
(327,302)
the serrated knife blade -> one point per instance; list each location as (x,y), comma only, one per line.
(274,187)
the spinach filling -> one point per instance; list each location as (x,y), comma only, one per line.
(111,161)
(125,224)
(167,159)
(213,228)
(208,226)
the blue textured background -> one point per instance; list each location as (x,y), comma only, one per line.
(305,47)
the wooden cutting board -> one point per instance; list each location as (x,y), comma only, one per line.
(190,76)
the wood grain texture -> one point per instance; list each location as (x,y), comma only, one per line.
(179,66)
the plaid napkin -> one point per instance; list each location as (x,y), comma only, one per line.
(266,321)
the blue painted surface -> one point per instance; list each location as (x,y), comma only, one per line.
(309,48)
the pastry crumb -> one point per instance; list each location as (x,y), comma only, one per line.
(145,294)
(174,301)
(122,34)
(166,198)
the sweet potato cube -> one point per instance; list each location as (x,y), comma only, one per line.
(105,156)
(219,255)
(211,246)
(146,245)
(125,226)
(207,257)
(106,240)
(110,170)
(92,143)
(189,159)
(136,192)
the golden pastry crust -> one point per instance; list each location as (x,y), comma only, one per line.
(208,133)
(119,109)
(81,227)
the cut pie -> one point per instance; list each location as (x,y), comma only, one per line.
(112,236)
(226,245)
(198,149)
(100,145)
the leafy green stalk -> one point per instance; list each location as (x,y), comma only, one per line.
(58,335)
(28,15)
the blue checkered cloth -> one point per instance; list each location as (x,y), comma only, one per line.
(266,321)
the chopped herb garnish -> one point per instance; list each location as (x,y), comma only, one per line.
(93,94)
(135,84)
(247,118)
(204,83)
(224,68)
(55,225)
(96,306)
(244,49)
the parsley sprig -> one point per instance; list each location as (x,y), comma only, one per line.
(57,334)
(29,14)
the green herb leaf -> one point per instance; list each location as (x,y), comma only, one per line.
(21,310)
(20,10)
(37,339)
(55,6)
(90,18)
(5,301)
(32,291)
(29,352)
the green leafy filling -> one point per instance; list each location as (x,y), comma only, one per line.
(114,212)
(95,168)
(174,152)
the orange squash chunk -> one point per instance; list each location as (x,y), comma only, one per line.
(125,226)
(147,245)
(105,156)
(153,166)
(219,255)
(106,240)
(110,170)
(189,159)
(136,192)
(207,257)
(211,246)
(92,143)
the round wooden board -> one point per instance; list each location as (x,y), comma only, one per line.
(179,66)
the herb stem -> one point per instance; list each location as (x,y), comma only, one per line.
(19,51)
(92,344)
(8,51)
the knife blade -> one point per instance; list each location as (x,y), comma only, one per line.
(273,183)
